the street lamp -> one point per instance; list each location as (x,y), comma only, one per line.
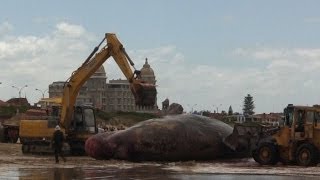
(192,108)
(42,92)
(213,108)
(218,108)
(20,89)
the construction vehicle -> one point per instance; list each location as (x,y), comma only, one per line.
(9,133)
(78,123)
(296,141)
(10,127)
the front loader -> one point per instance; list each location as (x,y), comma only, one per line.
(297,141)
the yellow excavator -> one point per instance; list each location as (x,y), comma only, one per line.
(78,122)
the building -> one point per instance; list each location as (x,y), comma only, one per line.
(119,96)
(18,102)
(2,103)
(93,91)
(147,73)
(112,96)
(56,89)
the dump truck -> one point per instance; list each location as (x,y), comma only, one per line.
(297,141)
(9,132)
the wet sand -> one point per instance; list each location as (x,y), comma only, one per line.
(15,165)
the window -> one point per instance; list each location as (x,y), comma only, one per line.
(289,119)
(316,118)
(89,117)
(310,117)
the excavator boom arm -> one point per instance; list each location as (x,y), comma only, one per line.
(115,49)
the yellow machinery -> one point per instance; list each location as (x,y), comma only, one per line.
(78,123)
(297,140)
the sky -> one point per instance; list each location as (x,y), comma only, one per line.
(206,54)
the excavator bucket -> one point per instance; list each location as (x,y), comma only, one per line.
(144,93)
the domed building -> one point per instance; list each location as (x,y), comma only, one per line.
(147,73)
(112,96)
(96,88)
(119,96)
(91,92)
(100,74)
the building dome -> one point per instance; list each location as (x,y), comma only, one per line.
(146,69)
(100,73)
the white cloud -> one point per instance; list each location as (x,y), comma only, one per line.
(278,53)
(70,30)
(308,53)
(5,27)
(289,75)
(39,60)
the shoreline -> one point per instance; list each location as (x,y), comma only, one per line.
(12,159)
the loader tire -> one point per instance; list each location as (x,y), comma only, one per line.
(266,154)
(307,155)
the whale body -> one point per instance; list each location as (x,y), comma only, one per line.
(172,138)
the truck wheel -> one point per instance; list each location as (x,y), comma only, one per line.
(266,154)
(25,149)
(2,135)
(307,155)
(13,139)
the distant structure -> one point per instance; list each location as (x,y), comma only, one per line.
(119,96)
(165,104)
(112,96)
(147,73)
(2,103)
(18,102)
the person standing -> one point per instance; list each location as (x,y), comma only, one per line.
(58,139)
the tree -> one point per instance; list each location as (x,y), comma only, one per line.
(230,111)
(206,113)
(248,105)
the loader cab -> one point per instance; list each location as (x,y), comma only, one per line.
(288,114)
(302,120)
(84,120)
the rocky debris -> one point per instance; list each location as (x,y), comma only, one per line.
(175,108)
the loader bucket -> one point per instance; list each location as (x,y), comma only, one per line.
(243,137)
(144,93)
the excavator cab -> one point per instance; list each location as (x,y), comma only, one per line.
(84,120)
(82,127)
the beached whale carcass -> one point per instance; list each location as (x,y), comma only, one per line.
(172,138)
